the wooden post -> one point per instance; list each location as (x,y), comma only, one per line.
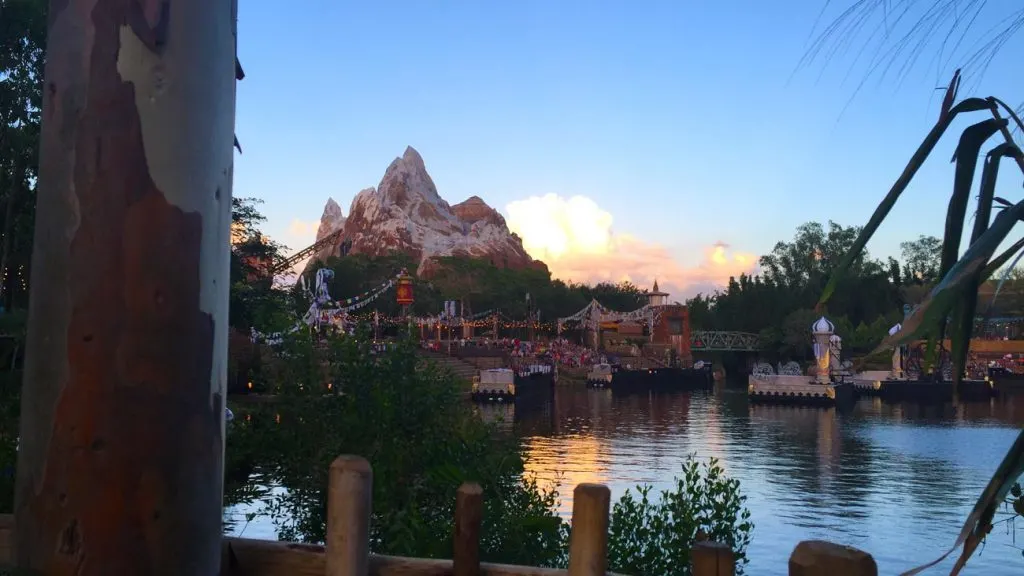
(712,559)
(588,542)
(820,558)
(469,510)
(120,466)
(349,503)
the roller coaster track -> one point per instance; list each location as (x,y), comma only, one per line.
(713,341)
(305,253)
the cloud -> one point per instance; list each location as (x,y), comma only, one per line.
(300,234)
(303,232)
(574,237)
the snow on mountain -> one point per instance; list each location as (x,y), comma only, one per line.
(406,213)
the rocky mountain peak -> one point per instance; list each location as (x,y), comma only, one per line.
(331,221)
(406,213)
(474,209)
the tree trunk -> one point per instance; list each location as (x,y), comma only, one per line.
(120,465)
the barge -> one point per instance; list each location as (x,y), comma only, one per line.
(699,377)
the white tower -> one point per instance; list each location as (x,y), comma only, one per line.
(822,331)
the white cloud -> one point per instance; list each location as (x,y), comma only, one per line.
(574,238)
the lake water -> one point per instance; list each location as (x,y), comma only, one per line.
(896,480)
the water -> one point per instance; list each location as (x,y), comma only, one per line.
(894,480)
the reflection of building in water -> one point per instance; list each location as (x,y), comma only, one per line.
(819,426)
(500,414)
(563,462)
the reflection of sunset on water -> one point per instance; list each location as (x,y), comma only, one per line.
(564,462)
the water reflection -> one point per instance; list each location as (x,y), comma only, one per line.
(894,479)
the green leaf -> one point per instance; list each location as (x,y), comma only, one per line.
(883,209)
(960,339)
(940,300)
(966,157)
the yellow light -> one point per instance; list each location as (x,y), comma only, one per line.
(250,385)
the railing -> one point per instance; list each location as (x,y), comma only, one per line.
(347,550)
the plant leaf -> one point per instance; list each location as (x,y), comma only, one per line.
(966,157)
(1001,260)
(960,339)
(883,209)
(943,296)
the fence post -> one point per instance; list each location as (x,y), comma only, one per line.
(815,557)
(588,542)
(349,502)
(712,559)
(469,509)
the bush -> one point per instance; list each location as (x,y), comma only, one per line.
(418,434)
(649,537)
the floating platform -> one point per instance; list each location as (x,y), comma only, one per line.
(662,380)
(1006,383)
(902,390)
(798,391)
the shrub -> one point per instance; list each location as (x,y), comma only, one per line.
(655,537)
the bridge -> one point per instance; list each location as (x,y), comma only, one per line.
(717,341)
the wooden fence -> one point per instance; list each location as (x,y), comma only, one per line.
(347,550)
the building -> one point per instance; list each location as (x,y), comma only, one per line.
(671,326)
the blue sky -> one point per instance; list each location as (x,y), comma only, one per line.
(683,120)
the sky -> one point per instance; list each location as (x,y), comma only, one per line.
(622,140)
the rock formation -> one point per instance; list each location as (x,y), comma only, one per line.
(406,213)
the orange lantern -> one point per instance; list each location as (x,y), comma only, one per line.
(403,292)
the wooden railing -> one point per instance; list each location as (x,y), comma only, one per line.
(347,549)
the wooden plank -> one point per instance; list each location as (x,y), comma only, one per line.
(267,558)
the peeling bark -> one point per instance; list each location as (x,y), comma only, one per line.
(120,464)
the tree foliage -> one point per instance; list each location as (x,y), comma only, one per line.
(779,303)
(22,45)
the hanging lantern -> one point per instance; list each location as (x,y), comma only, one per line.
(403,291)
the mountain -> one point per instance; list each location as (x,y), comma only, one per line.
(331,221)
(406,213)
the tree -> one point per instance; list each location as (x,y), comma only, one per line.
(922,259)
(254,300)
(22,44)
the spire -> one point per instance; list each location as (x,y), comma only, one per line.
(655,285)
